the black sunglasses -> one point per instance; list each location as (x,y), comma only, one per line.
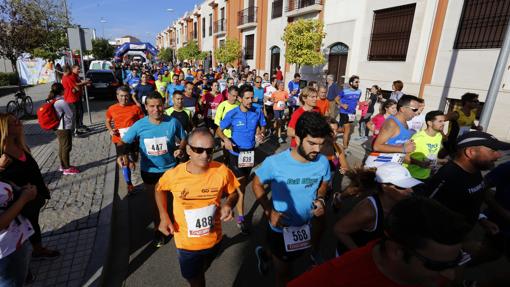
(412,109)
(438,266)
(200,150)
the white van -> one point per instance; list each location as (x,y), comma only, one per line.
(100,65)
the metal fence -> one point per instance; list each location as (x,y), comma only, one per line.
(219,26)
(299,4)
(391,31)
(248,15)
(483,24)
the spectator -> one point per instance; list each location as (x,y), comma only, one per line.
(73,95)
(332,93)
(397,90)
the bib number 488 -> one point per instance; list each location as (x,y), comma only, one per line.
(204,222)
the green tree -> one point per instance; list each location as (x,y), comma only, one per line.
(303,39)
(228,52)
(101,49)
(189,52)
(166,55)
(22,28)
(55,23)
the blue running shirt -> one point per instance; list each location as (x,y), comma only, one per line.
(243,126)
(350,97)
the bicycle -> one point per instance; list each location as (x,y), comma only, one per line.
(22,105)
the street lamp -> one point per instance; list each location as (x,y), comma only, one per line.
(103,21)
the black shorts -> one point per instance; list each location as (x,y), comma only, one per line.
(277,246)
(233,165)
(125,149)
(344,119)
(269,111)
(150,177)
(194,263)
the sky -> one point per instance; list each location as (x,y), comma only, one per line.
(139,18)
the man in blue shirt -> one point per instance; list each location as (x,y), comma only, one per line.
(247,125)
(258,93)
(156,135)
(298,179)
(348,101)
(171,88)
(294,91)
(132,80)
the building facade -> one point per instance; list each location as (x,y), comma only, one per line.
(440,49)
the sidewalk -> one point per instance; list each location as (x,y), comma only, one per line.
(76,220)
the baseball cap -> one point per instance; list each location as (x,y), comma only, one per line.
(479,138)
(396,174)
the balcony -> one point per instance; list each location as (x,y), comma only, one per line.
(297,8)
(247,18)
(220,27)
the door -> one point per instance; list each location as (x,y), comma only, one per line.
(275,59)
(337,62)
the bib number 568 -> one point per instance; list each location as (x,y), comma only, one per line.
(299,235)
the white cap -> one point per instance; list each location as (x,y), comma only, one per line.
(395,174)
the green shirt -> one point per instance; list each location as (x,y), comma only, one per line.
(223,108)
(427,147)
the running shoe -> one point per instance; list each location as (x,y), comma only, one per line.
(262,260)
(71,171)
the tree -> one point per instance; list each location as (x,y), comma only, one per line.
(101,49)
(303,39)
(56,22)
(166,55)
(22,28)
(228,52)
(189,52)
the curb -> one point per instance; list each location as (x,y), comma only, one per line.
(99,255)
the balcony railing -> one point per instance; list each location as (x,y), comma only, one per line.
(300,4)
(220,26)
(246,16)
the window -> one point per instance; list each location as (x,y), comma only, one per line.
(248,47)
(482,24)
(391,31)
(203,27)
(222,43)
(277,9)
(195,30)
(210,24)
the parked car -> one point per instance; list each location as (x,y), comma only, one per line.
(103,84)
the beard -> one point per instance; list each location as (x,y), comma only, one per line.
(484,164)
(308,156)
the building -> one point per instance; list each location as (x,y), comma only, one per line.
(440,49)
(126,39)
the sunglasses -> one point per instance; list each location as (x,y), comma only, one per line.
(412,109)
(201,150)
(258,82)
(438,266)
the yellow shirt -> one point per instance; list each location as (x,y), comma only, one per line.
(223,108)
(161,87)
(427,147)
(464,121)
(196,203)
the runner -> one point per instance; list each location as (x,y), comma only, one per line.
(268,104)
(308,99)
(394,139)
(190,98)
(248,127)
(279,100)
(222,110)
(141,91)
(365,222)
(298,179)
(388,108)
(210,103)
(196,224)
(333,91)
(423,160)
(422,247)
(348,100)
(123,115)
(161,86)
(156,135)
(258,93)
(363,129)
(322,102)
(180,112)
(417,122)
(230,83)
(294,91)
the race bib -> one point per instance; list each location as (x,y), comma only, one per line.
(297,238)
(143,99)
(280,104)
(123,131)
(156,146)
(246,159)
(200,221)
(352,117)
(376,159)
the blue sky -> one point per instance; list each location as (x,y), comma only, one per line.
(139,18)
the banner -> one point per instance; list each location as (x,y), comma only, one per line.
(34,71)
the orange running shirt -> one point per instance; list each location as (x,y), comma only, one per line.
(123,117)
(197,203)
(323,106)
(279,97)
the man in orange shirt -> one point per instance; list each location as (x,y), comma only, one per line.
(197,187)
(322,102)
(279,99)
(123,115)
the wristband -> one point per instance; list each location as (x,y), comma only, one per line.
(322,201)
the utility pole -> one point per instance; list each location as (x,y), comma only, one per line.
(499,70)
(66,11)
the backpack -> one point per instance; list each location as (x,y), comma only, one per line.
(47,116)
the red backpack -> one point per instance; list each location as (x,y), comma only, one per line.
(47,116)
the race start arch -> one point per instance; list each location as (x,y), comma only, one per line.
(144,50)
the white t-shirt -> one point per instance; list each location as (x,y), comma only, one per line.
(18,231)
(267,95)
(416,124)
